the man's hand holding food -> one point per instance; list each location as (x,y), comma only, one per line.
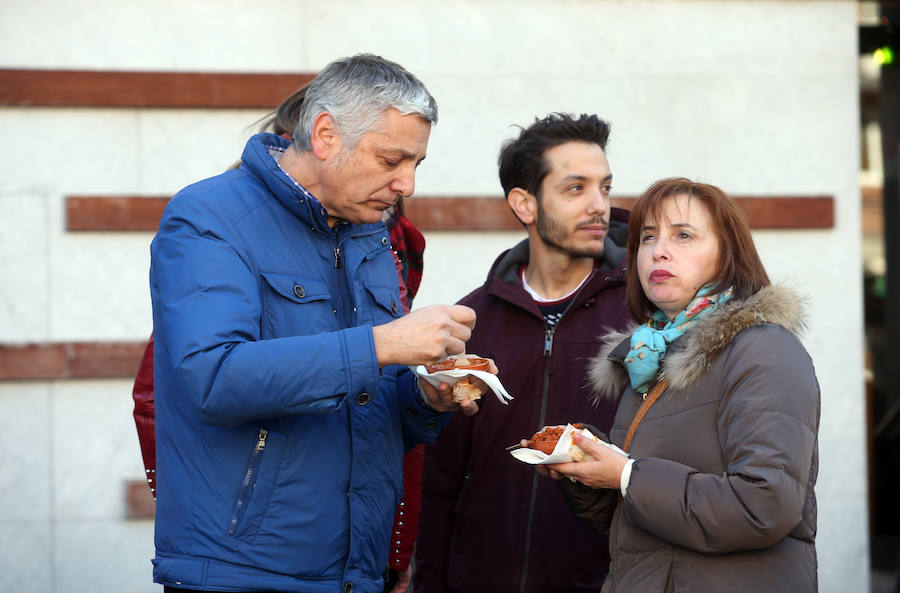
(425,336)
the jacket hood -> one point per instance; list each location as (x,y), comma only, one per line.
(506,267)
(689,357)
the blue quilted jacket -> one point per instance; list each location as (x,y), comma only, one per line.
(279,440)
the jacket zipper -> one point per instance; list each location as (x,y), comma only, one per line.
(346,308)
(249,480)
(548,351)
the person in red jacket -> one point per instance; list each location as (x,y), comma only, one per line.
(487,523)
(408,246)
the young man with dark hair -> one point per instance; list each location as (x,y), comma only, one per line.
(488,523)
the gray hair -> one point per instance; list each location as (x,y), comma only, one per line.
(356,91)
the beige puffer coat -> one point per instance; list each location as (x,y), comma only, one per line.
(721,493)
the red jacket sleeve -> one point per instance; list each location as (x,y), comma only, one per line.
(406,521)
(144,414)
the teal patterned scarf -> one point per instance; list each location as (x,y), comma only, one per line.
(650,341)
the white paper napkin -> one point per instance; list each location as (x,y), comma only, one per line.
(452,376)
(562,452)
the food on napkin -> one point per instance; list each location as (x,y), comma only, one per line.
(564,448)
(547,440)
(464,388)
(461,369)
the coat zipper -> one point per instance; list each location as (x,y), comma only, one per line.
(346,309)
(548,350)
(549,332)
(249,480)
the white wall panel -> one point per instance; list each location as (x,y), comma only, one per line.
(182,146)
(24,255)
(26,439)
(95,448)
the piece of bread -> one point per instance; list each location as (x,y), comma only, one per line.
(465,389)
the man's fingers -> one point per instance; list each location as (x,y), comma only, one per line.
(462,314)
(468,407)
(460,331)
(454,346)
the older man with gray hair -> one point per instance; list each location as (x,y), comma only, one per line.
(284,402)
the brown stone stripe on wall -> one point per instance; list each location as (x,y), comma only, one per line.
(114,213)
(139,503)
(95,88)
(126,213)
(69,360)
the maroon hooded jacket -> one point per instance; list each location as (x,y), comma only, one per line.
(489,523)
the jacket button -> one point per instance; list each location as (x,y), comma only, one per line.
(299,292)
(430,425)
(394,307)
(348,587)
(384,241)
(363,398)
(412,411)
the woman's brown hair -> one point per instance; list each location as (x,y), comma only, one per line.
(739,263)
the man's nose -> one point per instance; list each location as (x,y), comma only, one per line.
(599,203)
(405,182)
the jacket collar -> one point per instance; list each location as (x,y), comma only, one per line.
(692,355)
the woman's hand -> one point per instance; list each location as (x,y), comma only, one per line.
(604,471)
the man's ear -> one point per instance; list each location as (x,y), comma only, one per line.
(523,205)
(325,138)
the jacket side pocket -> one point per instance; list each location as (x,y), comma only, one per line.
(256,487)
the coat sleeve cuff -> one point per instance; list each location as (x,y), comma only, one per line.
(626,477)
(362,361)
(424,420)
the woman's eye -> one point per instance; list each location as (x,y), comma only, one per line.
(684,235)
(607,188)
(646,237)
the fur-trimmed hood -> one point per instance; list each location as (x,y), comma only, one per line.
(690,356)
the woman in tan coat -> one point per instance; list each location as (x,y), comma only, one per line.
(722,405)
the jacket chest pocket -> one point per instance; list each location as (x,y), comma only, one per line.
(384,304)
(295,305)
(379,297)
